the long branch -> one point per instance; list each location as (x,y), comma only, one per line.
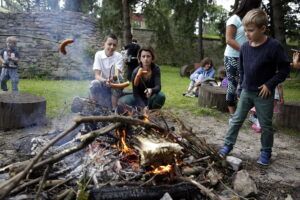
(121,119)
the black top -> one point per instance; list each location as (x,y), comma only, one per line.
(153,83)
(132,49)
(265,64)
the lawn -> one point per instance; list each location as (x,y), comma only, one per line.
(60,93)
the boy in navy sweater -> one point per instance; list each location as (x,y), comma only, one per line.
(263,65)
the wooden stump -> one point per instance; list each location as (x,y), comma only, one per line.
(186,70)
(213,97)
(289,115)
(18,110)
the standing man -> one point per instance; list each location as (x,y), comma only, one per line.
(132,61)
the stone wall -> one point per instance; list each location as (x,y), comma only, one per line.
(41,56)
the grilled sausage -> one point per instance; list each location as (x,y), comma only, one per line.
(63,45)
(119,85)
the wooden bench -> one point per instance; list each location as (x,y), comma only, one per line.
(213,97)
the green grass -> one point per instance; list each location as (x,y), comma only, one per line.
(60,93)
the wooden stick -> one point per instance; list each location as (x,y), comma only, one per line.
(205,191)
(45,175)
(121,119)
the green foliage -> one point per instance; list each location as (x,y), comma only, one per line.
(34,72)
(111,17)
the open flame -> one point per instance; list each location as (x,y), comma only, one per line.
(123,146)
(162,170)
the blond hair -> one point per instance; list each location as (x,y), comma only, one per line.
(257,17)
(12,39)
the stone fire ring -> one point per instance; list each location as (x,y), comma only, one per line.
(19,110)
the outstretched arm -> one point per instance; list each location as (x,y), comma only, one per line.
(296,61)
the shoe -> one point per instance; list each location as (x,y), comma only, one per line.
(192,95)
(256,128)
(252,119)
(225,150)
(264,158)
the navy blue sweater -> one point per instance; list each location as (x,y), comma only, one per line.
(265,64)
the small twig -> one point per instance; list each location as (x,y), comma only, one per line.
(203,189)
(151,179)
(41,184)
(65,181)
(228,188)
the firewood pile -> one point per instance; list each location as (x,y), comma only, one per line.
(132,155)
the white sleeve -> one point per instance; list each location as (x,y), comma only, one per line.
(234,20)
(97,62)
(119,62)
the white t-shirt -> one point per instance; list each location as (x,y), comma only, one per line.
(239,37)
(104,63)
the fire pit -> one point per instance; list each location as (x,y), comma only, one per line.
(131,156)
(18,110)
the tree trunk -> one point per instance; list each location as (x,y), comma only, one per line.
(127,36)
(200,38)
(278,20)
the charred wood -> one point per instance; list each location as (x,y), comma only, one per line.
(178,191)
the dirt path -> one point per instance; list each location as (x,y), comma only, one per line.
(285,162)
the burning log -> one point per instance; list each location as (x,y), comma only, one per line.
(157,153)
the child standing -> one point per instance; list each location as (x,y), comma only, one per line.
(9,58)
(260,58)
(205,71)
(108,66)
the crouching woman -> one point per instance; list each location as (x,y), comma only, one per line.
(146,83)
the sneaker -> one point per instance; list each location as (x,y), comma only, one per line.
(225,150)
(190,95)
(264,158)
(252,119)
(256,128)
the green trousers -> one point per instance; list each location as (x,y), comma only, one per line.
(156,101)
(264,111)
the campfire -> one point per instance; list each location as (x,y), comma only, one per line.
(130,156)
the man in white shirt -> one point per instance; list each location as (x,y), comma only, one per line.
(108,66)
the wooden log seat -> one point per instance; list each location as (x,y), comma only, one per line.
(212,97)
(18,110)
(289,115)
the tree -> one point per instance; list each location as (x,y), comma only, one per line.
(127,36)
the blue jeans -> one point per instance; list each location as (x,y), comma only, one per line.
(12,74)
(264,111)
